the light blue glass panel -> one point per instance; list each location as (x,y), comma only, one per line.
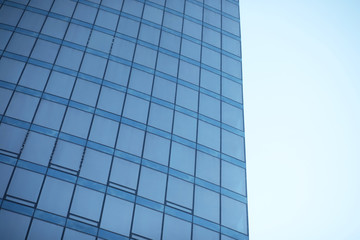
(76,122)
(187,97)
(117,215)
(69,58)
(192,29)
(189,72)
(111,100)
(10,70)
(210,57)
(124,173)
(161,117)
(96,166)
(68,155)
(141,81)
(167,64)
(230,8)
(211,17)
(147,222)
(170,41)
(106,19)
(112,4)
(145,56)
(123,49)
(54,27)
(231,45)
(130,140)
(177,5)
(200,233)
(20,44)
(87,203)
(233,145)
(60,84)
(85,13)
(209,135)
(12,137)
(152,184)
(5,36)
(157,149)
(136,108)
(180,192)
(185,126)
(193,10)
(176,229)
(65,7)
(5,174)
(233,178)
(13,226)
(25,185)
(77,34)
(208,167)
(34,77)
(211,36)
(209,106)
(232,90)
(104,131)
(44,230)
(231,26)
(133,7)
(45,51)
(50,114)
(232,116)
(233,214)
(93,65)
(100,41)
(128,26)
(32,21)
(172,21)
(190,49)
(44,5)
(153,14)
(164,89)
(38,148)
(231,66)
(182,158)
(10,15)
(22,106)
(207,204)
(117,73)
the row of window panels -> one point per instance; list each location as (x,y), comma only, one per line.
(141,53)
(108,22)
(79,34)
(111,97)
(85,204)
(97,67)
(17,226)
(130,140)
(112,100)
(104,130)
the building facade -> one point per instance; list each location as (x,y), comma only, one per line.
(121,119)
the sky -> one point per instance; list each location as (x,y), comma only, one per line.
(301,75)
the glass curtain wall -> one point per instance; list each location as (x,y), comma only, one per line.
(121,119)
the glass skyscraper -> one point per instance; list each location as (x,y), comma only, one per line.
(121,119)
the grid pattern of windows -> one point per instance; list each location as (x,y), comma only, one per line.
(121,120)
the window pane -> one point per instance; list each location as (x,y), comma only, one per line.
(34,77)
(93,65)
(157,149)
(200,233)
(136,108)
(141,81)
(77,34)
(21,44)
(54,27)
(96,166)
(103,131)
(161,117)
(124,173)
(208,168)
(232,116)
(45,51)
(44,230)
(50,114)
(187,98)
(68,155)
(128,26)
(192,29)
(130,140)
(133,8)
(182,158)
(211,17)
(172,21)
(231,66)
(75,235)
(209,135)
(193,10)
(69,58)
(117,215)
(85,13)
(210,81)
(232,90)
(176,229)
(123,49)
(100,41)
(106,19)
(38,148)
(12,225)
(207,204)
(233,145)
(209,106)
(10,15)
(77,122)
(180,192)
(14,138)
(185,126)
(5,95)
(152,184)
(32,21)
(164,89)
(233,178)
(212,37)
(233,214)
(22,106)
(111,100)
(210,57)
(167,64)
(60,84)
(153,14)
(25,185)
(190,49)
(170,41)
(117,73)
(10,69)
(5,174)
(189,72)
(87,203)
(145,56)
(147,222)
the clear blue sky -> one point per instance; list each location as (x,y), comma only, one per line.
(301,71)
